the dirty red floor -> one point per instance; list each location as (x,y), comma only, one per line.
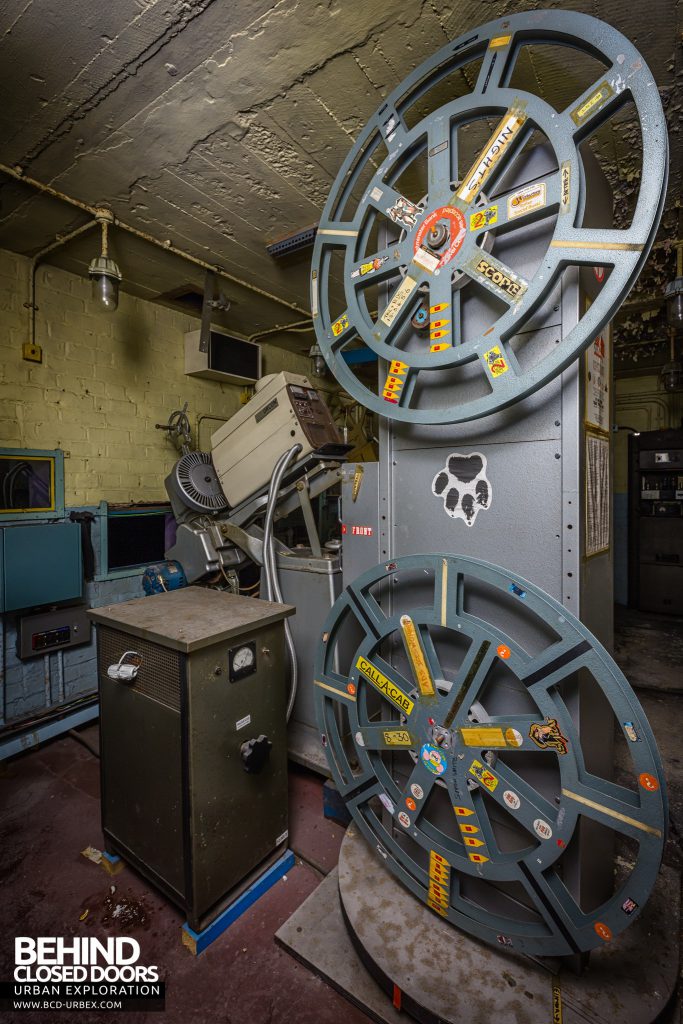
(49,812)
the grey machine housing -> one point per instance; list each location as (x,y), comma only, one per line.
(215,538)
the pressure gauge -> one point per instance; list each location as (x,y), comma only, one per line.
(242,661)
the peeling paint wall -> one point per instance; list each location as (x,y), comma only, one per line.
(104,382)
(221,125)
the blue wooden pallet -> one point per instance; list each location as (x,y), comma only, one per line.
(197,942)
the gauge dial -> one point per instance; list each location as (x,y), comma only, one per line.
(242,661)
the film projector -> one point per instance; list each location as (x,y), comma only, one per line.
(467,704)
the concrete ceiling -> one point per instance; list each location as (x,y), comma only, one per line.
(221,125)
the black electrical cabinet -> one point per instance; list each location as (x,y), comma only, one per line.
(193,741)
(656,521)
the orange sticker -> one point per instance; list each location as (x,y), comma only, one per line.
(410,804)
(503,652)
(603,931)
(648,782)
(350,688)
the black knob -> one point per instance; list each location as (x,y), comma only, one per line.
(255,754)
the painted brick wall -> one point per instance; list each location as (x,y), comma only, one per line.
(105,380)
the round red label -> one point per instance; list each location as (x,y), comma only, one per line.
(457,230)
(503,652)
(648,782)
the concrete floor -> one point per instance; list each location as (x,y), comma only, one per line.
(649,649)
(49,812)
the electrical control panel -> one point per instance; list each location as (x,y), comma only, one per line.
(52,631)
(214,816)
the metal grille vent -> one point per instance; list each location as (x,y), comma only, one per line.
(159,674)
(198,482)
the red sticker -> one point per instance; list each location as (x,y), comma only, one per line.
(599,274)
(410,804)
(457,230)
(648,782)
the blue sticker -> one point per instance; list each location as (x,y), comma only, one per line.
(517,591)
(433,759)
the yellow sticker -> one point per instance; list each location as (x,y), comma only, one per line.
(439,883)
(396,366)
(436,324)
(423,676)
(483,737)
(495,360)
(385,686)
(398,738)
(340,325)
(440,346)
(462,812)
(557,1000)
(439,308)
(483,218)
(507,129)
(483,775)
(527,199)
(399,299)
(499,41)
(565,186)
(593,103)
(393,385)
(434,335)
(438,865)
(466,827)
(491,272)
(477,858)
(471,841)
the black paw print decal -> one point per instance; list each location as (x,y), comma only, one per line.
(463,486)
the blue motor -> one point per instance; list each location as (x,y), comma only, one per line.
(162,577)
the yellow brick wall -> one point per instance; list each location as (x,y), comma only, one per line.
(105,380)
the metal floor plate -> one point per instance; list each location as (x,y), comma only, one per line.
(455,978)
